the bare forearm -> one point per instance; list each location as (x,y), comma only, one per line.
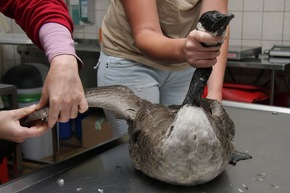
(144,22)
(215,82)
(161,48)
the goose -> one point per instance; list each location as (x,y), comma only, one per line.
(187,144)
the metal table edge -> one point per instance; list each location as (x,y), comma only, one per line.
(259,107)
(28,180)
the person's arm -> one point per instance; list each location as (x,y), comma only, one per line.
(144,22)
(30,15)
(62,89)
(47,22)
(215,82)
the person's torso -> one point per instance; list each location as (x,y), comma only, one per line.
(177,18)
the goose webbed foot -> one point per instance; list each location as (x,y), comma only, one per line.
(238,156)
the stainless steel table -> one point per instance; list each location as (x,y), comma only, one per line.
(263,62)
(263,131)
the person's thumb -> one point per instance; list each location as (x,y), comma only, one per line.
(23,112)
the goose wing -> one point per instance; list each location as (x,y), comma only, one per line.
(120,100)
(147,133)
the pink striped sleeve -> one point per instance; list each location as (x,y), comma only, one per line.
(56,39)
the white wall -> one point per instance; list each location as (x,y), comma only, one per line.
(257,23)
(260,22)
(9,56)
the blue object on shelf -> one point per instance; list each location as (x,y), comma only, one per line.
(64,130)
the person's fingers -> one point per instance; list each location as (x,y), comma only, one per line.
(64,114)
(202,59)
(83,105)
(22,112)
(207,37)
(43,100)
(196,54)
(74,111)
(53,115)
(37,130)
(19,134)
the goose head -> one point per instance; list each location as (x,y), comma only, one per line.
(214,23)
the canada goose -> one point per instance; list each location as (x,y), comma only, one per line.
(184,144)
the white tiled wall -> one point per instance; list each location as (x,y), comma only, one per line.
(92,31)
(260,22)
(9,56)
(257,22)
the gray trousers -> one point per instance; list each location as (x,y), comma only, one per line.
(154,85)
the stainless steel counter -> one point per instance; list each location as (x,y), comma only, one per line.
(15,39)
(80,46)
(262,131)
(263,62)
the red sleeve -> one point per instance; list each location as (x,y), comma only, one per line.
(32,14)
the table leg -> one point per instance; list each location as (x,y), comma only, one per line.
(55,143)
(272,87)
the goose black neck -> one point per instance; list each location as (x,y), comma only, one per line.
(197,85)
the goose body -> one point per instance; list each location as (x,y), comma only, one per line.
(184,144)
(181,147)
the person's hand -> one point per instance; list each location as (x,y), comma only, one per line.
(63,90)
(10,128)
(197,55)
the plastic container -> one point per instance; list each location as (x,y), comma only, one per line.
(26,97)
(23,76)
(39,147)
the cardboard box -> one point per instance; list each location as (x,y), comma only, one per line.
(95,130)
